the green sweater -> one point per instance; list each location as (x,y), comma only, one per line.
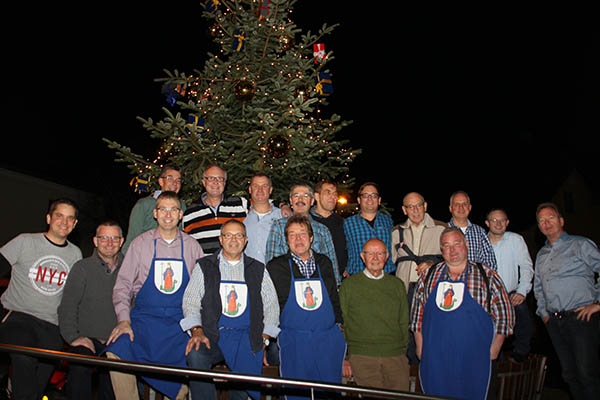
(375,315)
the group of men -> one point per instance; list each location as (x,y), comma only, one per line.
(227,279)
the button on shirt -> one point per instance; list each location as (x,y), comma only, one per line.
(257,231)
(513,258)
(230,271)
(480,248)
(564,274)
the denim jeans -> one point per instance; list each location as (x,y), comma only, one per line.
(521,338)
(204,358)
(576,344)
(79,380)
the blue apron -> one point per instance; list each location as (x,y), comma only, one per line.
(311,344)
(155,318)
(234,331)
(457,337)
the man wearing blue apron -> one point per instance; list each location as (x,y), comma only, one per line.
(460,316)
(155,272)
(231,310)
(312,345)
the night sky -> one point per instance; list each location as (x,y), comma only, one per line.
(500,103)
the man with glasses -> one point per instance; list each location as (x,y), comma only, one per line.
(40,264)
(231,311)
(86,315)
(141,218)
(369,223)
(155,272)
(375,312)
(302,198)
(516,270)
(415,248)
(203,219)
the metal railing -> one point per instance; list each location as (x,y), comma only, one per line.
(161,369)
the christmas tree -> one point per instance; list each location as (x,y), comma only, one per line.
(259,105)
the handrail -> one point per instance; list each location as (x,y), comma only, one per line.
(198,373)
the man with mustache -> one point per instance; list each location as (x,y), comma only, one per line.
(302,198)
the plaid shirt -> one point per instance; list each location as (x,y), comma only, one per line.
(322,243)
(501,310)
(480,248)
(358,231)
(306,267)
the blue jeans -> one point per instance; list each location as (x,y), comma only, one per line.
(521,339)
(576,344)
(204,358)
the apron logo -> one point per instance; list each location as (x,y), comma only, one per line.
(449,295)
(309,295)
(233,298)
(49,275)
(168,275)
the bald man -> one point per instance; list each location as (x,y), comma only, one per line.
(375,311)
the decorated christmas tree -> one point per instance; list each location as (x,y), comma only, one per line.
(259,105)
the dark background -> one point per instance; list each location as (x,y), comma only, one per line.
(502,103)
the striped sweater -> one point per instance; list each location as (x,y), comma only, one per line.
(203,222)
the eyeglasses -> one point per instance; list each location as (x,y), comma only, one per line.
(105,239)
(301,195)
(168,209)
(233,235)
(369,195)
(172,179)
(219,179)
(375,253)
(501,220)
(415,206)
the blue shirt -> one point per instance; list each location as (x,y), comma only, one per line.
(513,260)
(564,274)
(322,243)
(257,231)
(358,231)
(480,248)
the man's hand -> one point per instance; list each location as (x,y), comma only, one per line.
(198,337)
(516,299)
(346,369)
(424,266)
(265,363)
(586,312)
(121,328)
(85,342)
(286,210)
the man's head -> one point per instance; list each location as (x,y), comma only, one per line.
(108,240)
(260,188)
(170,179)
(213,180)
(299,235)
(368,198)
(414,207)
(550,221)
(454,247)
(61,219)
(301,198)
(497,221)
(460,207)
(326,196)
(374,254)
(167,211)
(233,239)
